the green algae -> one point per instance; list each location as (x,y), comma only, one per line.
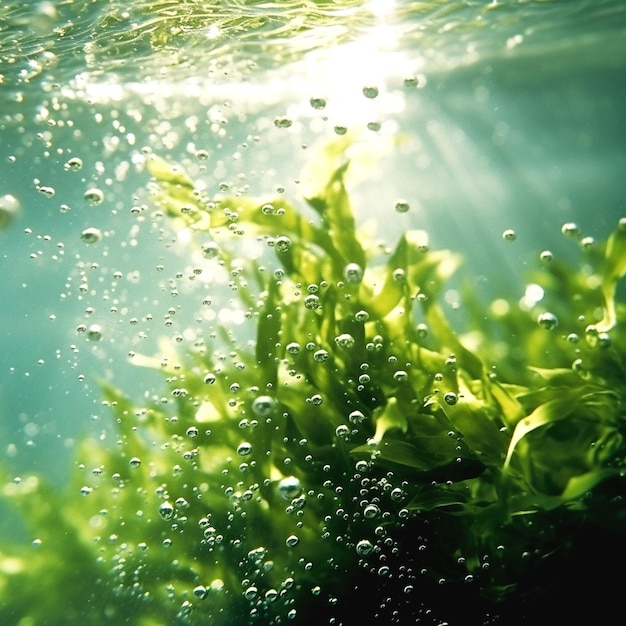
(359,439)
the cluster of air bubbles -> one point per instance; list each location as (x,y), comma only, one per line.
(46,190)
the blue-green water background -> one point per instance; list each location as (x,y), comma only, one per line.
(517,122)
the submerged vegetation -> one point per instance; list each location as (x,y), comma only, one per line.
(357,451)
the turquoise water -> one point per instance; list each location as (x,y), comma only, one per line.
(487,116)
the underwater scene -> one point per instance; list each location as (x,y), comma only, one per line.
(312,312)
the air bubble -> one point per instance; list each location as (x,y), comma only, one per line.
(94,332)
(587,243)
(263,406)
(450,398)
(548,321)
(364,547)
(399,275)
(210,250)
(509,235)
(91,235)
(282,122)
(250,593)
(166,510)
(356,417)
(353,273)
(371,511)
(244,448)
(345,341)
(9,209)
(321,355)
(74,164)
(312,302)
(342,431)
(94,196)
(46,190)
(370,91)
(282,243)
(135,462)
(402,206)
(289,488)
(318,103)
(570,229)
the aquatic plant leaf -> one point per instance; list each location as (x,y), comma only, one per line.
(268,331)
(597,407)
(391,417)
(478,429)
(614,269)
(429,498)
(333,205)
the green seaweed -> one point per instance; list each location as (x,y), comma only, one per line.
(360,445)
